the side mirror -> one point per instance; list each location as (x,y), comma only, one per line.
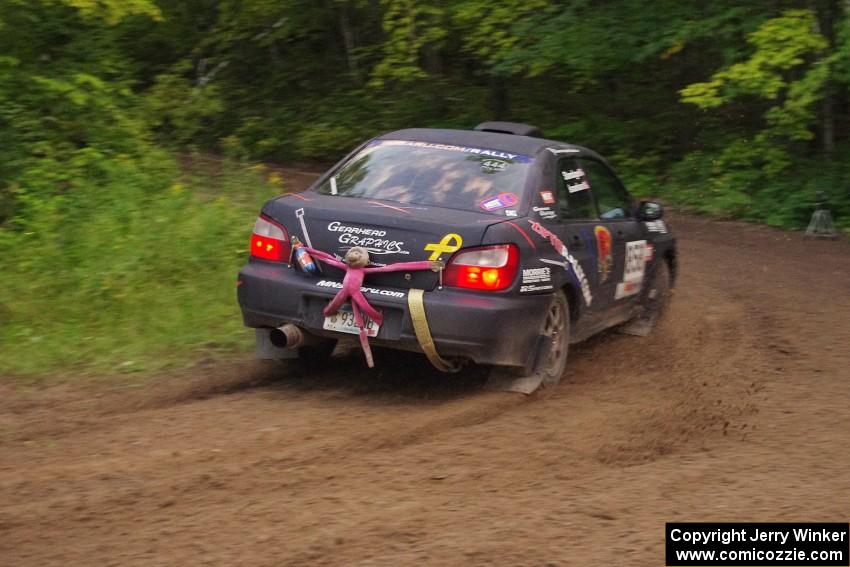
(649,211)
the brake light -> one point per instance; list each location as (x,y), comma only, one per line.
(488,268)
(269,241)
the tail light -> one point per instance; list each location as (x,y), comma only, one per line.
(269,241)
(488,268)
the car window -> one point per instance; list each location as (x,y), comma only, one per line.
(573,196)
(612,199)
(457,177)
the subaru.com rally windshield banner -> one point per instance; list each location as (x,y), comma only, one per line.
(519,158)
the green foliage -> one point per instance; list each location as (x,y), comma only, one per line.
(179,112)
(65,109)
(324,140)
(749,177)
(840,58)
(709,185)
(488,29)
(736,109)
(113,11)
(781,44)
(411,26)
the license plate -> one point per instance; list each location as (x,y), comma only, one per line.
(343,322)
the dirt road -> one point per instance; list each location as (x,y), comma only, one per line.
(735,409)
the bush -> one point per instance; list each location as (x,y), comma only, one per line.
(132,274)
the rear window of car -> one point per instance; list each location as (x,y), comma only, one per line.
(441,175)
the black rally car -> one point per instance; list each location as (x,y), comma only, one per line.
(542,245)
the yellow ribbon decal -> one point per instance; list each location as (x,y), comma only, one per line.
(450,243)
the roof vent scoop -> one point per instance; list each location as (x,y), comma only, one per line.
(515,128)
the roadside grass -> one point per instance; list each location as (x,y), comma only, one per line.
(134,276)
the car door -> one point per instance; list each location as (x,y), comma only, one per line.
(622,264)
(573,220)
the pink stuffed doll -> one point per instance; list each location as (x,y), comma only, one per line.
(356,260)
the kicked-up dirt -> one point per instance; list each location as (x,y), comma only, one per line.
(734,409)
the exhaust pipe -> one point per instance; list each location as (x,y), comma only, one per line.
(289,336)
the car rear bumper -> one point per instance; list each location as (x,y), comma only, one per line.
(494,328)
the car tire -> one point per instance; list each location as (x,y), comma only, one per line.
(552,348)
(556,333)
(657,296)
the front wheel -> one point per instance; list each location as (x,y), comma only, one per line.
(657,294)
(655,299)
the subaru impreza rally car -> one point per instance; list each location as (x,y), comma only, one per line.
(542,247)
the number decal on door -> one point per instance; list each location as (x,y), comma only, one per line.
(636,254)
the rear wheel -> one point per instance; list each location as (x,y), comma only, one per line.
(556,333)
(553,345)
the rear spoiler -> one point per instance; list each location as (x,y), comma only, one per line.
(515,128)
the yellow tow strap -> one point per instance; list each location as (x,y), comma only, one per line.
(416,304)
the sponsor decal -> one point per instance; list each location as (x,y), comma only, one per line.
(493,165)
(633,273)
(583,186)
(502,201)
(536,279)
(371,239)
(635,260)
(573,174)
(559,247)
(510,212)
(370,290)
(537,275)
(467,150)
(337,226)
(546,213)
(548,197)
(577,273)
(450,243)
(589,243)
(604,260)
(563,151)
(656,226)
(532,288)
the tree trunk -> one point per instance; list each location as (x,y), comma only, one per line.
(500,98)
(828,112)
(348,41)
(827,12)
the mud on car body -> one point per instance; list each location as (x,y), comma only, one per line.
(543,247)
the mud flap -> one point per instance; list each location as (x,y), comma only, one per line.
(503,380)
(640,326)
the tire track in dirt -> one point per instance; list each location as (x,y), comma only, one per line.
(252,455)
(312,464)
